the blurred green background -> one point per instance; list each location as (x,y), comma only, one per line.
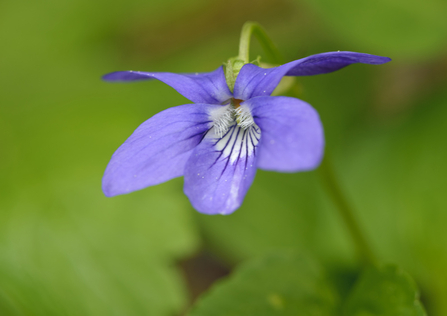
(65,249)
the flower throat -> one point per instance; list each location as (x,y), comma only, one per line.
(231,114)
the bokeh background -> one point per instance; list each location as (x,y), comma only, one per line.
(65,249)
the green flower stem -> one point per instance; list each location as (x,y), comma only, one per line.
(253,28)
(364,250)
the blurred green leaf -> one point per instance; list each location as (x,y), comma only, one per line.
(384,291)
(395,28)
(75,252)
(278,284)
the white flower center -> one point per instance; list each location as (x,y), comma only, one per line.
(233,113)
(234,131)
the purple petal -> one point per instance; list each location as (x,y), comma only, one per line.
(209,87)
(292,134)
(158,149)
(329,62)
(254,81)
(220,171)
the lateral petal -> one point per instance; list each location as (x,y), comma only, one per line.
(254,81)
(209,87)
(220,170)
(157,150)
(292,134)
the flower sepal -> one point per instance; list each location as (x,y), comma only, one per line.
(232,68)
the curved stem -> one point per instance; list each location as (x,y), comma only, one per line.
(346,212)
(253,28)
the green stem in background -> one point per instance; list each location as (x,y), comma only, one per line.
(329,178)
(333,188)
(253,28)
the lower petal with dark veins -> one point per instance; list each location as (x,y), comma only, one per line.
(220,170)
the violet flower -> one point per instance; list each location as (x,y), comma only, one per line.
(219,141)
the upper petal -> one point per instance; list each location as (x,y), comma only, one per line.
(209,87)
(329,62)
(158,149)
(292,134)
(220,170)
(254,81)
